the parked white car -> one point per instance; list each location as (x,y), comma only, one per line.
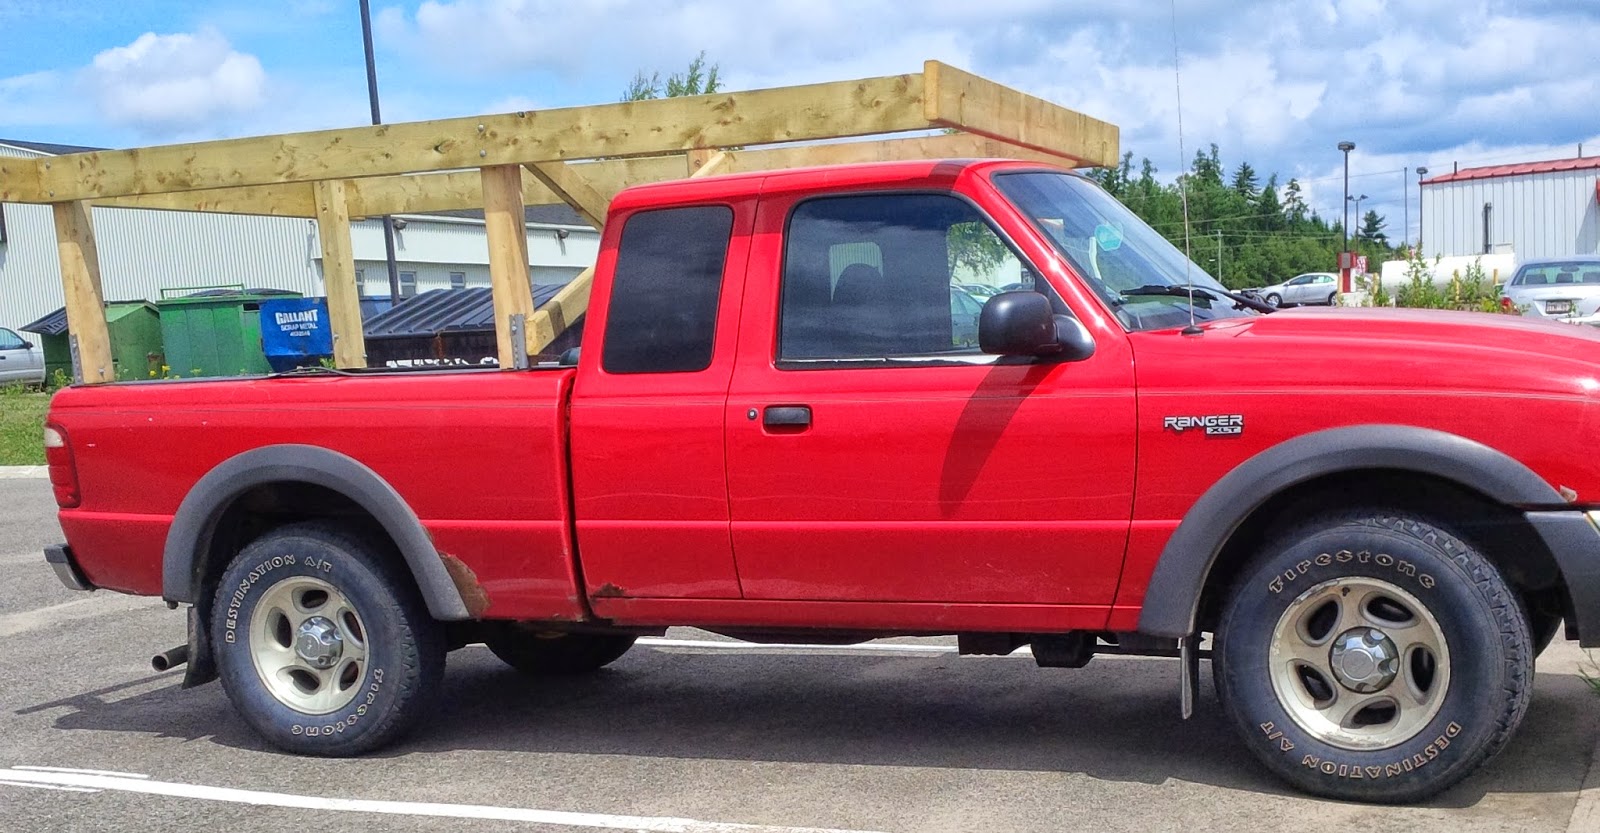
(1310,288)
(20,360)
(1564,289)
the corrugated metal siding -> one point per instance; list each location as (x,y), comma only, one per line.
(143,252)
(1536,215)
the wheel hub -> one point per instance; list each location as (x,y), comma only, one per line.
(317,642)
(1364,660)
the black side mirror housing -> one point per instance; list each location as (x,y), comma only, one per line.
(1022,323)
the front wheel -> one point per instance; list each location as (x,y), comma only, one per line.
(324,647)
(1275,299)
(1373,658)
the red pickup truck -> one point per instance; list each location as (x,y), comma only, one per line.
(1370,521)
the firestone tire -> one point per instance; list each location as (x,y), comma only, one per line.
(1382,595)
(324,647)
(572,653)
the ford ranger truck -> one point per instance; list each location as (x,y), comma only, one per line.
(1369,521)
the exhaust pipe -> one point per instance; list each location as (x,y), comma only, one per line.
(167,660)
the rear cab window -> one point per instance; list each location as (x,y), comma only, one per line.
(666,287)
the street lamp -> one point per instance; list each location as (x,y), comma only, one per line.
(377,118)
(1344,268)
(1421,172)
(1357,201)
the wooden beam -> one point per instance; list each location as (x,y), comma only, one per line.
(570,185)
(636,128)
(339,275)
(80,282)
(18,176)
(968,102)
(705,161)
(507,230)
(289,200)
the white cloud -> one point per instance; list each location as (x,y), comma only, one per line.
(164,84)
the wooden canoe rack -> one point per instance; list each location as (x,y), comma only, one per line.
(581,156)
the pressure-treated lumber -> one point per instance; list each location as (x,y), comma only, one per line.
(80,282)
(570,185)
(289,200)
(456,190)
(511,290)
(636,128)
(968,102)
(339,275)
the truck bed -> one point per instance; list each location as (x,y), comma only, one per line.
(480,457)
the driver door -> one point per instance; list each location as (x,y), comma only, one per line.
(873,457)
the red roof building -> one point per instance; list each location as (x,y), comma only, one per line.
(1530,209)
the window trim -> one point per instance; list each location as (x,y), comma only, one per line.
(400,280)
(453,275)
(979,359)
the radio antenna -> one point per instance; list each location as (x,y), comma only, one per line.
(1183,190)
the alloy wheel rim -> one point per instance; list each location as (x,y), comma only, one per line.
(1359,663)
(308,645)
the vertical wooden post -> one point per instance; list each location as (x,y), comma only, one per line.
(80,282)
(507,227)
(339,274)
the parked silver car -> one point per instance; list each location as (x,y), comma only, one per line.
(1309,288)
(1564,289)
(20,360)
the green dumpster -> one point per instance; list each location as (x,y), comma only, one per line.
(216,331)
(135,329)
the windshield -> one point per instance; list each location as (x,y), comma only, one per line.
(1134,269)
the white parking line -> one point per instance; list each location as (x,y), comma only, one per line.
(81,781)
(111,772)
(49,787)
(87,607)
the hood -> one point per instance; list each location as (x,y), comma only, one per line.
(1396,348)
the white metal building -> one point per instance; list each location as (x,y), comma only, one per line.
(1529,210)
(143,252)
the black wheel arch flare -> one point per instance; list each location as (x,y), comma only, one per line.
(189,537)
(1172,599)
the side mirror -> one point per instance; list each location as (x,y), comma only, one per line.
(1021,323)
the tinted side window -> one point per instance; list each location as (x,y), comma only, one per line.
(11,341)
(870,276)
(663,311)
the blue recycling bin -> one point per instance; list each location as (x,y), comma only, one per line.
(295,333)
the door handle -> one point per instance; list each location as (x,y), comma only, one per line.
(786,416)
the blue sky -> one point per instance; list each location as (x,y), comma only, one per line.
(1431,82)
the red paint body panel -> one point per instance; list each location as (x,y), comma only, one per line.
(469,451)
(981,497)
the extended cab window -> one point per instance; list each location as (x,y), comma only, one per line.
(888,276)
(663,313)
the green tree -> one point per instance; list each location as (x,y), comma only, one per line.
(699,79)
(1372,228)
(1244,181)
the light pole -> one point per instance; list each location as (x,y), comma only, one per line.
(1421,172)
(1405,197)
(372,96)
(1344,266)
(1357,201)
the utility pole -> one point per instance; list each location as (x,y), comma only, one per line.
(1405,197)
(372,95)
(1345,259)
(1421,172)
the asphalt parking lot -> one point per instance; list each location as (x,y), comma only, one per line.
(681,735)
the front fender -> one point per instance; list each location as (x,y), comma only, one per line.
(1172,600)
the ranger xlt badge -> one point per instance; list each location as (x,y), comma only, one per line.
(1216,424)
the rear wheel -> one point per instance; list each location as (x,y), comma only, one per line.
(322,645)
(1332,296)
(1373,658)
(540,652)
